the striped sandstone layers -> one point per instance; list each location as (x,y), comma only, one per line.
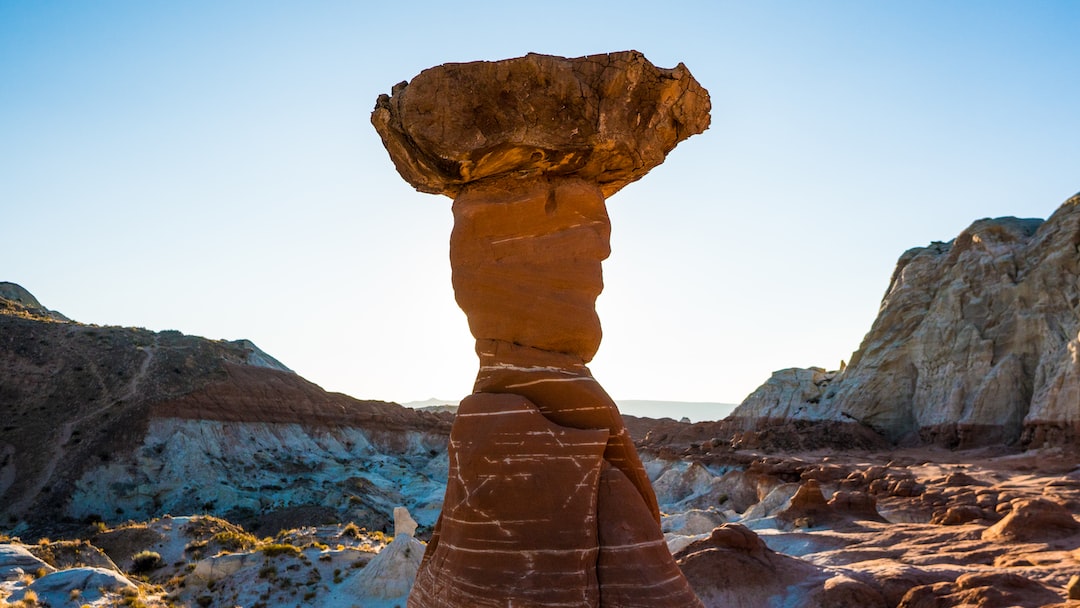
(547,502)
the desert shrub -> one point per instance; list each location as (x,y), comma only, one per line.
(30,598)
(234,540)
(145,561)
(351,530)
(131,598)
(275,549)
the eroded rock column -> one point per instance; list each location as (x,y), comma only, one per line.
(547,502)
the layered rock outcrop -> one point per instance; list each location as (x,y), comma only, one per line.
(547,503)
(118,422)
(976,343)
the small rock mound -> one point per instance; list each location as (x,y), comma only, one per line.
(985,590)
(734,567)
(16,560)
(391,573)
(808,507)
(57,588)
(1034,520)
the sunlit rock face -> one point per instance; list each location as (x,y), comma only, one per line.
(526,259)
(547,503)
(608,119)
(976,343)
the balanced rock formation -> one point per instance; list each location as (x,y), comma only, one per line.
(976,343)
(547,502)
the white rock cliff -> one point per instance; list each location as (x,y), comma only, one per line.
(976,343)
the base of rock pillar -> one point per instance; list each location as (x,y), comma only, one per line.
(518,525)
(635,567)
(534,516)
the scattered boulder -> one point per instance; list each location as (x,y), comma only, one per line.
(1034,520)
(961,514)
(985,590)
(692,522)
(854,505)
(733,568)
(808,508)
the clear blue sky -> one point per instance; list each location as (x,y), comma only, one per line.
(209,167)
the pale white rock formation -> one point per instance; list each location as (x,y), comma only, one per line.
(55,589)
(16,561)
(390,574)
(404,524)
(794,392)
(186,466)
(693,522)
(221,566)
(977,342)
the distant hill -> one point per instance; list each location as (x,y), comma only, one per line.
(696,411)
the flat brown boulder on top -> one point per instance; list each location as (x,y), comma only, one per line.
(608,119)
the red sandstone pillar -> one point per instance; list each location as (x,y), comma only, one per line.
(547,502)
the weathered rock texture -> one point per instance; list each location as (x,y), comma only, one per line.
(548,503)
(607,119)
(976,343)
